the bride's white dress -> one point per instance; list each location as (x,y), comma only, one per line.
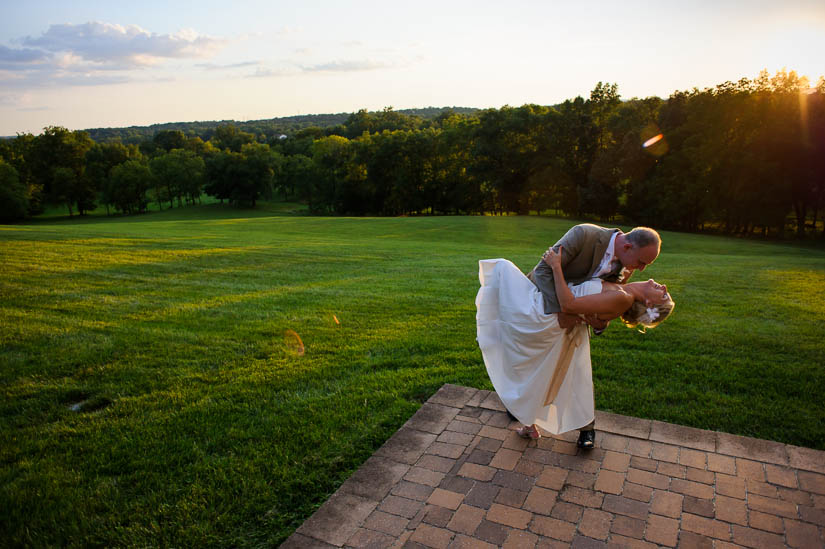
(540,371)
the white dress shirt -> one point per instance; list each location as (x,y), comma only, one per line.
(606,264)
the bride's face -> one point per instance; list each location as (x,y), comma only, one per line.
(655,293)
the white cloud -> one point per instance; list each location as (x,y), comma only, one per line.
(218,67)
(10,100)
(8,77)
(22,102)
(348,66)
(11,57)
(289,30)
(334,66)
(96,53)
(266,72)
(69,61)
(109,43)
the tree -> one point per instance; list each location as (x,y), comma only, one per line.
(229,137)
(359,123)
(169,140)
(14,199)
(243,177)
(621,158)
(600,192)
(222,170)
(64,182)
(190,186)
(460,192)
(101,159)
(604,99)
(390,120)
(362,122)
(574,136)
(816,124)
(18,153)
(506,148)
(199,146)
(179,174)
(52,153)
(256,174)
(296,170)
(791,148)
(332,157)
(127,186)
(377,154)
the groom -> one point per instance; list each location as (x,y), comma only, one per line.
(590,251)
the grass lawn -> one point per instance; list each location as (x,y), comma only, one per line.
(150,396)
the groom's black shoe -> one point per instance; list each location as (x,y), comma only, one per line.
(587,439)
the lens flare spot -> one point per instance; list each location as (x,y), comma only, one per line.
(293,343)
(652,141)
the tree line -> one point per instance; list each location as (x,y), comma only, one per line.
(262,129)
(744,157)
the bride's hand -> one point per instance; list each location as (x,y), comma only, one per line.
(567,321)
(552,258)
(596,322)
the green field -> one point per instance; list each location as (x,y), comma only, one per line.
(150,396)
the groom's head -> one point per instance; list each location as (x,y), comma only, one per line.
(638,248)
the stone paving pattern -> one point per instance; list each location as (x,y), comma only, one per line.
(456,475)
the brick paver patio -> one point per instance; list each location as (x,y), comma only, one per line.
(457,475)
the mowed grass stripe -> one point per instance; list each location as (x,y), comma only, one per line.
(197,423)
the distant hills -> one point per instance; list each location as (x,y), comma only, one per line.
(268,127)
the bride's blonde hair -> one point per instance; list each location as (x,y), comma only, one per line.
(647,317)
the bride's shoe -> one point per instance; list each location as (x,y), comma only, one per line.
(529,431)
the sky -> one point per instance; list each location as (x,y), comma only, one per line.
(110,63)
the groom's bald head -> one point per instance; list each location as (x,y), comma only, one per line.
(641,237)
(638,248)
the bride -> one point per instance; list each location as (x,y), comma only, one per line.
(541,371)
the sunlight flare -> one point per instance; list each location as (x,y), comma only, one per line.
(293,343)
(652,141)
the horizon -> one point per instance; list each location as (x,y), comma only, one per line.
(88,65)
(232,121)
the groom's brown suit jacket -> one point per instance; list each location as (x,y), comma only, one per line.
(584,247)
